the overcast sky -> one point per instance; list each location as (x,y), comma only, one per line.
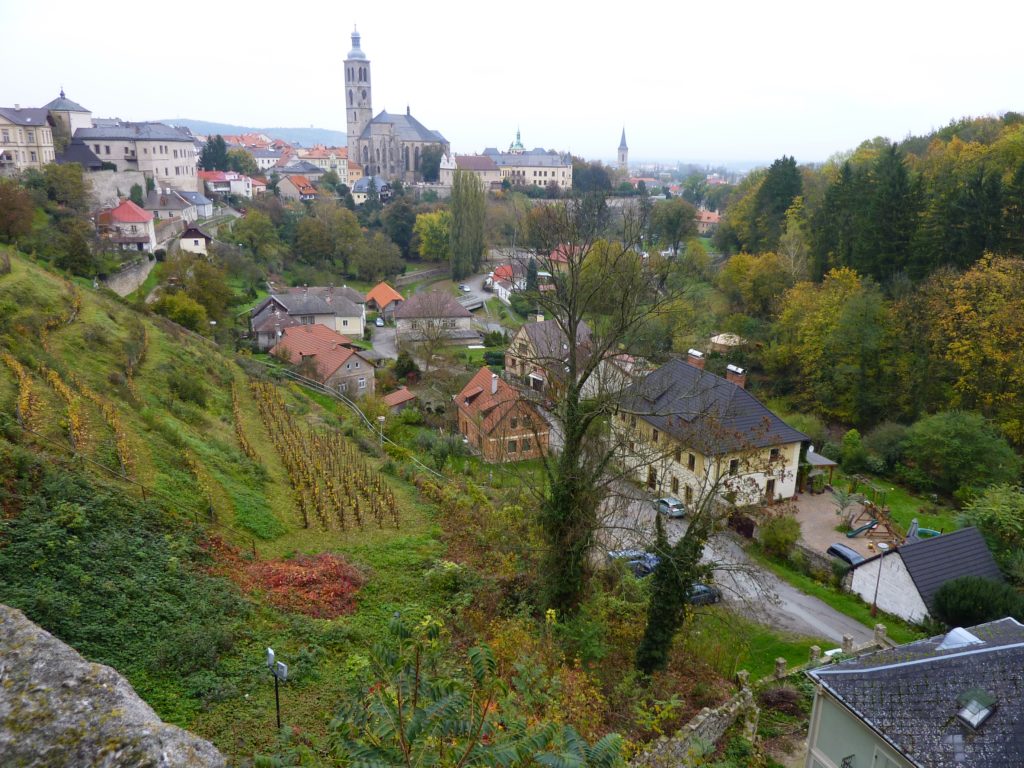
(704,82)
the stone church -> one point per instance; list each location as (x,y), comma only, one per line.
(389,145)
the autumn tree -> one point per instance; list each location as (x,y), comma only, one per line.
(377,258)
(16,211)
(256,232)
(981,330)
(398,219)
(241,161)
(433,231)
(467,224)
(673,221)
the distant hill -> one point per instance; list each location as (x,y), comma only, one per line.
(306,137)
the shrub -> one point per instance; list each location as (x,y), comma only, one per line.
(779,534)
(187,388)
(971,600)
(960,449)
(494,357)
(886,441)
(854,454)
(999,515)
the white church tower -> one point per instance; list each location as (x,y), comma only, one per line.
(358,99)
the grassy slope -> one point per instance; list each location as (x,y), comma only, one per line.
(253,498)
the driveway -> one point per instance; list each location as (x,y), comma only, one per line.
(383,340)
(628,519)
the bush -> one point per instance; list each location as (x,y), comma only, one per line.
(886,442)
(187,388)
(960,449)
(494,357)
(999,515)
(779,534)
(855,456)
(971,600)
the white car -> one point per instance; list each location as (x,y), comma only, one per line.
(379,322)
(465,288)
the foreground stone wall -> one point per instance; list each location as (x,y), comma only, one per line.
(57,709)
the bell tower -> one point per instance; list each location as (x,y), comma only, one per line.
(358,98)
(623,153)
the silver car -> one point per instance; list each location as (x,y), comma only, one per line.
(670,506)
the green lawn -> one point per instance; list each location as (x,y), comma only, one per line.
(904,505)
(846,603)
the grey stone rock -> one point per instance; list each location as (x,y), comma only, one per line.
(57,709)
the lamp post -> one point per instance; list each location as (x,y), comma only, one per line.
(280,672)
(380,425)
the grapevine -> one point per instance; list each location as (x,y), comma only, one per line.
(76,424)
(27,401)
(121,445)
(202,478)
(334,486)
(243,442)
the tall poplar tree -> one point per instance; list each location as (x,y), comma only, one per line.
(467,229)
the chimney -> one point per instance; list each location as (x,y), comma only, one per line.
(305,287)
(695,358)
(736,375)
(494,383)
(17,107)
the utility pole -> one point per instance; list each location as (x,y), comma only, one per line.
(280,672)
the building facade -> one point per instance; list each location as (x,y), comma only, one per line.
(537,167)
(497,422)
(26,139)
(162,153)
(387,144)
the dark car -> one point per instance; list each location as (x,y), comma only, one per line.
(670,506)
(705,594)
(844,553)
(639,562)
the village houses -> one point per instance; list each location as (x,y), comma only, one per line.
(497,422)
(327,357)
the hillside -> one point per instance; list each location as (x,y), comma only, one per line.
(306,137)
(149,522)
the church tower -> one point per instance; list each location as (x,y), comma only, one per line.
(358,101)
(623,153)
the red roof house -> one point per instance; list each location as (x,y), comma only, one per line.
(497,422)
(328,357)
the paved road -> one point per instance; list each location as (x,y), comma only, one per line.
(629,524)
(383,340)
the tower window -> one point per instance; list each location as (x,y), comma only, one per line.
(350,98)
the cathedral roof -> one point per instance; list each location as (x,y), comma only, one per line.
(406,127)
(622,144)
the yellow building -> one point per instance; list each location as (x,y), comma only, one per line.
(26,139)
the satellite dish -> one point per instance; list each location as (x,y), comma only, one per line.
(281,671)
(270,659)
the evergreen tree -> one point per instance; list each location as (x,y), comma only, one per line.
(214,156)
(780,186)
(531,275)
(135,195)
(888,230)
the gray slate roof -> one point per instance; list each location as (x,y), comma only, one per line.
(407,128)
(535,157)
(549,341)
(78,152)
(428,304)
(26,116)
(362,184)
(64,104)
(133,132)
(162,201)
(315,301)
(300,168)
(932,562)
(908,696)
(195,198)
(705,411)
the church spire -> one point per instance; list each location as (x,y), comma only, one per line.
(623,153)
(622,143)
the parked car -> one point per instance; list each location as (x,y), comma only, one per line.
(379,322)
(844,553)
(465,288)
(670,506)
(639,562)
(705,594)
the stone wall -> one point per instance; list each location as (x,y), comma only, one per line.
(107,186)
(686,746)
(130,276)
(59,709)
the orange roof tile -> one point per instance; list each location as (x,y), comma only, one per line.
(399,396)
(383,294)
(328,348)
(487,407)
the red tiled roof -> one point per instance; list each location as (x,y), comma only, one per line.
(504,272)
(383,294)
(302,184)
(129,213)
(708,217)
(327,347)
(488,408)
(399,396)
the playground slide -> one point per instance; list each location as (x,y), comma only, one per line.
(858,531)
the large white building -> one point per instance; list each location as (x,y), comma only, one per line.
(26,139)
(163,153)
(534,167)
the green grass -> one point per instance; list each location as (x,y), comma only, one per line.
(844,602)
(903,505)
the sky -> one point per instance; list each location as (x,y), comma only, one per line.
(728,82)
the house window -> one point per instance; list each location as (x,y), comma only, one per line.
(32,156)
(306,319)
(512,448)
(357,363)
(775,454)
(734,466)
(106,149)
(515,422)
(96,148)
(5,135)
(679,456)
(691,462)
(652,478)
(348,366)
(654,436)
(675,484)
(688,494)
(632,422)
(195,242)
(32,136)
(362,382)
(344,323)
(769,490)
(526,443)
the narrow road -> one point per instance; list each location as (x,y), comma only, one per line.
(628,519)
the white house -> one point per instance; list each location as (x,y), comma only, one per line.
(194,240)
(161,152)
(903,581)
